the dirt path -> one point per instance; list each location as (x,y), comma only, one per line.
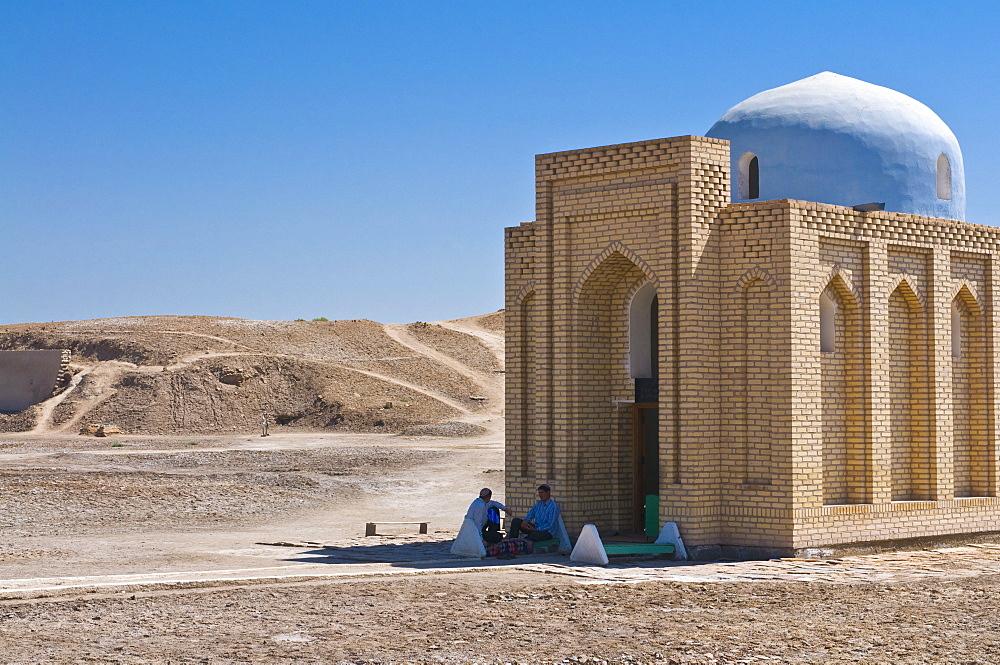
(491,385)
(103,377)
(433,394)
(44,422)
(147,331)
(398,333)
(470,326)
(190,359)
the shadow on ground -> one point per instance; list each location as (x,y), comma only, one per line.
(394,553)
(435,554)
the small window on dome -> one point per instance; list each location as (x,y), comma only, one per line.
(943,177)
(748,179)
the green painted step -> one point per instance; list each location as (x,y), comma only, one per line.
(652,509)
(619,549)
(546,546)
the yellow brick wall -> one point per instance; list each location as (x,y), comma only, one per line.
(929,418)
(839,274)
(764,440)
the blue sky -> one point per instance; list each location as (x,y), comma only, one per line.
(277,160)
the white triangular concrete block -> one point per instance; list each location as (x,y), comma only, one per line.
(563,536)
(671,535)
(469,542)
(589,548)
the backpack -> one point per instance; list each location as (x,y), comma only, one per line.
(493,515)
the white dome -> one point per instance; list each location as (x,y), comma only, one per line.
(834,139)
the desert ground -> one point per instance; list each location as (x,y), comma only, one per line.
(217,545)
(240,549)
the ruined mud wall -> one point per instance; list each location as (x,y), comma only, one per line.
(28,377)
(165,375)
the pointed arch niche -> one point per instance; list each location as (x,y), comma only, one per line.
(758,361)
(913,466)
(970,435)
(846,468)
(613,318)
(527,391)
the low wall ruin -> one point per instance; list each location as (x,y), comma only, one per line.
(30,377)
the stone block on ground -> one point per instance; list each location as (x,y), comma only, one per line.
(589,548)
(469,542)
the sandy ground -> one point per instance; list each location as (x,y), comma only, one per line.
(251,550)
(84,506)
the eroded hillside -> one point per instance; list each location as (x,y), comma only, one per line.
(167,374)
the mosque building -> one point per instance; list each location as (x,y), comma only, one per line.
(781,336)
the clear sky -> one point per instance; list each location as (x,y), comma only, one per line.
(277,160)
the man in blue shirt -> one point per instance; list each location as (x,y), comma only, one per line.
(479,514)
(541,522)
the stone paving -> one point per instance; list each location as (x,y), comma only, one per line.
(389,556)
(944,563)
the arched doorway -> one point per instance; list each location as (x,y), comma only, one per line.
(644,368)
(616,368)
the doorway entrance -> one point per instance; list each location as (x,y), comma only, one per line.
(646,468)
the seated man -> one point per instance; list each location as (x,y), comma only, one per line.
(479,514)
(541,522)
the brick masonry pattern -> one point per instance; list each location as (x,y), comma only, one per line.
(764,440)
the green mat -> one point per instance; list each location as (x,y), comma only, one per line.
(620,549)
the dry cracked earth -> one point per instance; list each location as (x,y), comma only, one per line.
(247,550)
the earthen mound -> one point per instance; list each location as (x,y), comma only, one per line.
(165,374)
